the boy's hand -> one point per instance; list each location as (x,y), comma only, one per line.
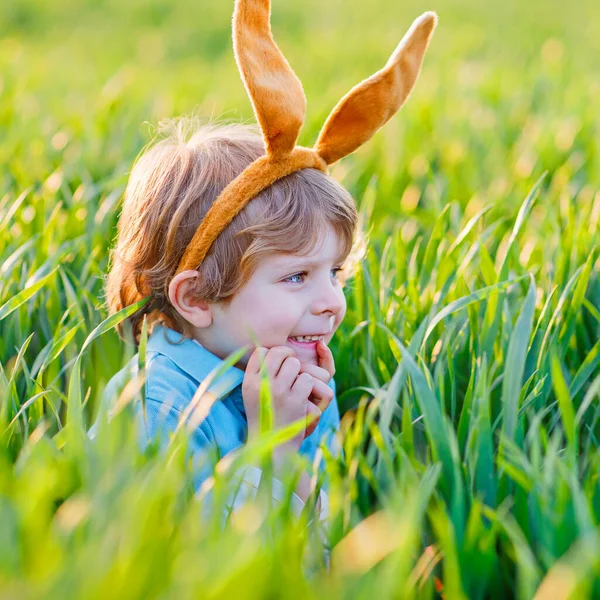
(290,391)
(321,393)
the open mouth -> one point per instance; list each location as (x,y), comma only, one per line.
(306,341)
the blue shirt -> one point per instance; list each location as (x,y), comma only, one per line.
(175,367)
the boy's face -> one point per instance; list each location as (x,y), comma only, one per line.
(287,296)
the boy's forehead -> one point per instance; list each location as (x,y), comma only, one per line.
(330,254)
(299,259)
(330,250)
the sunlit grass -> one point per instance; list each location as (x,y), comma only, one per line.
(468,365)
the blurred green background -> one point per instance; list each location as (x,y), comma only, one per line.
(472,464)
(508,88)
(508,91)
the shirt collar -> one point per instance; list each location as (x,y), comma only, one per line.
(194,359)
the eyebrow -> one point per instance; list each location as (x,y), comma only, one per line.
(305,263)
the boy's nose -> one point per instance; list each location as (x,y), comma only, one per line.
(328,301)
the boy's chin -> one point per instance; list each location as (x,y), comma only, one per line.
(309,361)
(306,355)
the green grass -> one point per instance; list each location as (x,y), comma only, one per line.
(468,365)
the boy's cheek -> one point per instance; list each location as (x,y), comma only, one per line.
(339,317)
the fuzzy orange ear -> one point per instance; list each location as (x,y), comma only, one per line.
(370,104)
(274,89)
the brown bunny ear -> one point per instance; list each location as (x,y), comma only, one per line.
(275,91)
(370,104)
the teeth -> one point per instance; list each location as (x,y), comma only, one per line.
(307,338)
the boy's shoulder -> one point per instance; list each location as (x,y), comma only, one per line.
(167,383)
(175,368)
(178,366)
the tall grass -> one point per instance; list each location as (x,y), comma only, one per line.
(468,366)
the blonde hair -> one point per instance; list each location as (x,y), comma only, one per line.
(171,187)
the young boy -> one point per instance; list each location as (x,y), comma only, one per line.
(273,276)
(235,236)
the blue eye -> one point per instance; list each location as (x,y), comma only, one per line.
(290,279)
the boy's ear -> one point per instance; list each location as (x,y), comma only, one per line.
(194,311)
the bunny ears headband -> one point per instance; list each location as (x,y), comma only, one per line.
(280,105)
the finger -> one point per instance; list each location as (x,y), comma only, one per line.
(274,359)
(325,358)
(289,371)
(313,415)
(303,385)
(322,394)
(317,372)
(256,359)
